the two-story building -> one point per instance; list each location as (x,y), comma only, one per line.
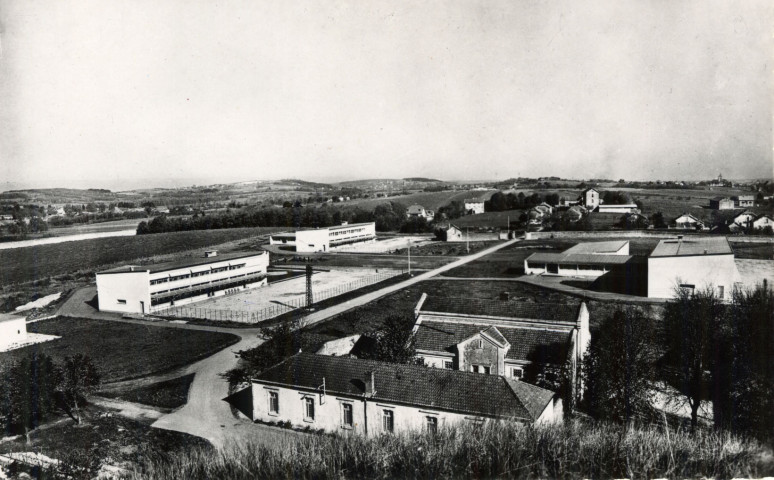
(514,339)
(589,198)
(418,211)
(350,395)
(721,203)
(149,288)
(743,201)
(311,240)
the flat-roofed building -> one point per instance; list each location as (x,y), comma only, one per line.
(474,206)
(618,208)
(694,264)
(366,397)
(589,259)
(149,288)
(312,240)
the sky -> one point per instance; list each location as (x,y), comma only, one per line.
(118,94)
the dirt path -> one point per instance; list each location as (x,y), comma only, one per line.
(206,415)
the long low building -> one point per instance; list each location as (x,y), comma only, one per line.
(694,263)
(149,288)
(13,330)
(350,395)
(323,239)
(590,259)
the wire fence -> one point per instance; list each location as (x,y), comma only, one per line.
(279,308)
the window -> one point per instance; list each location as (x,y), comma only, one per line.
(474,368)
(721,291)
(346,411)
(388,421)
(432,425)
(517,373)
(309,409)
(448,364)
(273,403)
(121,302)
(478,343)
(487,370)
(688,286)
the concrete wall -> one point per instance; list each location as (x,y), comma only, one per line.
(367,414)
(132,288)
(12,330)
(666,273)
(310,241)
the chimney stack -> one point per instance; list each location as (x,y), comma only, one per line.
(370,385)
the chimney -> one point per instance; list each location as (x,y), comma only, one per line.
(370,389)
(210,253)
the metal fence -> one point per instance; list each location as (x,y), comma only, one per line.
(280,307)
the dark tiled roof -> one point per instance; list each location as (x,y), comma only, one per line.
(495,335)
(502,308)
(536,345)
(183,263)
(441,389)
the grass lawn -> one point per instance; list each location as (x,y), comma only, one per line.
(168,394)
(490,219)
(123,350)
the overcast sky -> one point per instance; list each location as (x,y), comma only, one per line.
(118,94)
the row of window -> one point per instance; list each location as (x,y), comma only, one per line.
(516,372)
(347,415)
(336,233)
(196,274)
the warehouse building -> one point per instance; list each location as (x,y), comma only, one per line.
(371,398)
(323,239)
(149,288)
(694,264)
(590,259)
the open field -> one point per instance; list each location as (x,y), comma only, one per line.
(489,219)
(97,227)
(429,200)
(37,263)
(123,350)
(369,318)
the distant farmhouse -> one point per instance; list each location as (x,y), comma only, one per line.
(474,206)
(722,203)
(370,398)
(323,239)
(743,201)
(500,337)
(149,288)
(693,264)
(451,233)
(418,211)
(687,221)
(589,259)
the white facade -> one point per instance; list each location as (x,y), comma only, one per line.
(762,222)
(474,206)
(621,208)
(589,259)
(145,289)
(707,263)
(13,330)
(590,198)
(323,239)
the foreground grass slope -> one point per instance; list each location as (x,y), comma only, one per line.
(576,450)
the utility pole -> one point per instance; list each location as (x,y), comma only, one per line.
(467,238)
(409,256)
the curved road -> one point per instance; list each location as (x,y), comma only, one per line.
(206,415)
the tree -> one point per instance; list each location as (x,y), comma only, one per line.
(618,368)
(690,332)
(79,378)
(28,393)
(743,398)
(281,341)
(394,341)
(658,220)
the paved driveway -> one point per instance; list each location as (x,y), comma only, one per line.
(207,415)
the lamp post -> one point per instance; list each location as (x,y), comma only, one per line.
(408,244)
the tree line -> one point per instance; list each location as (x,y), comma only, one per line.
(387,217)
(35,389)
(703,351)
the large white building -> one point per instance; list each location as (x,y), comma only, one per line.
(349,395)
(474,206)
(323,239)
(149,288)
(694,264)
(588,259)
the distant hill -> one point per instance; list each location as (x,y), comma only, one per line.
(422,179)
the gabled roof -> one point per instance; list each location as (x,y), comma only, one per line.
(502,308)
(415,209)
(688,215)
(538,345)
(434,388)
(494,334)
